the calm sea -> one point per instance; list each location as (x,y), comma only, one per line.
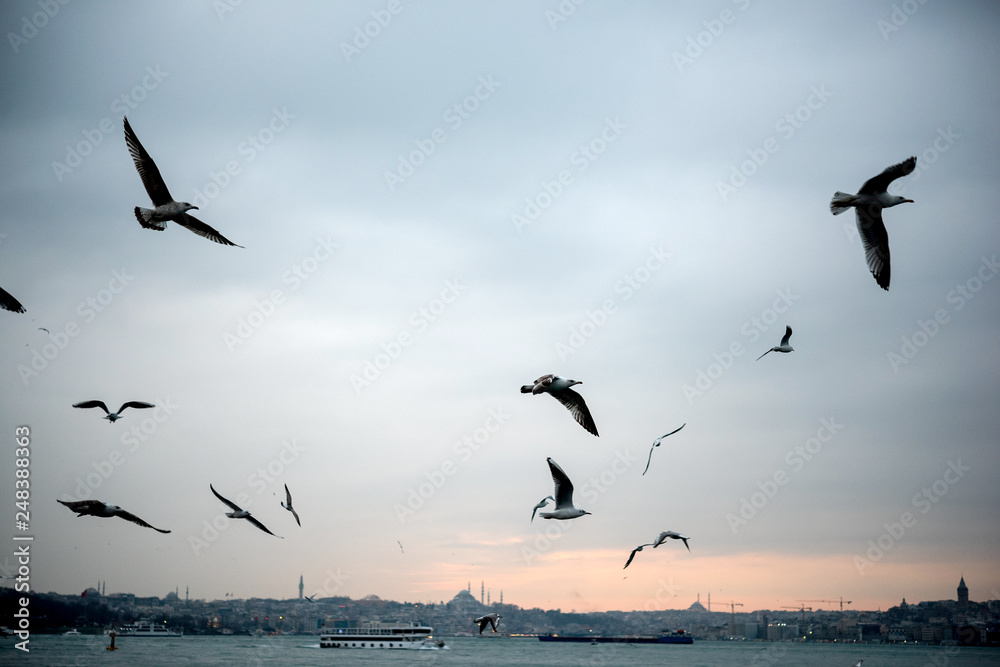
(85,650)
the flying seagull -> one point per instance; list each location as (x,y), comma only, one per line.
(868,205)
(400,547)
(491,619)
(656,443)
(541,503)
(559,388)
(288,505)
(564,495)
(634,551)
(166,208)
(113,416)
(7,302)
(306,597)
(662,537)
(784,347)
(105,510)
(238,513)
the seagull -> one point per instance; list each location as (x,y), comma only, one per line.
(784,347)
(868,205)
(105,510)
(634,551)
(306,597)
(166,208)
(45,330)
(492,619)
(113,416)
(542,503)
(238,513)
(564,495)
(662,537)
(656,443)
(400,547)
(287,505)
(7,302)
(559,388)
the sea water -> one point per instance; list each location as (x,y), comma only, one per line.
(85,650)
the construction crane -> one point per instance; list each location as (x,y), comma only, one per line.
(802,616)
(732,622)
(840,628)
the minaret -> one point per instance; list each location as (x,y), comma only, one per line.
(710,600)
(482,591)
(488,603)
(187,598)
(300,586)
(501,597)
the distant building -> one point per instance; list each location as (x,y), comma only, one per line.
(697,605)
(963,595)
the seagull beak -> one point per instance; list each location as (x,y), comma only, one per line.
(195,208)
(909,201)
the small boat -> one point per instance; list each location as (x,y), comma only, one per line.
(380,635)
(146,628)
(73,633)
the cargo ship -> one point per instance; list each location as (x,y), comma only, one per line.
(678,637)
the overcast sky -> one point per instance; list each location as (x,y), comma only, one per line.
(442,201)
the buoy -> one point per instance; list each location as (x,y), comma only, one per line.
(112,647)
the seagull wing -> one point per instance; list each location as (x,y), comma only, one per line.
(288,498)
(201,229)
(296,515)
(257,523)
(542,503)
(234,506)
(92,404)
(578,407)
(135,404)
(648,460)
(762,356)
(564,487)
(880,183)
(7,302)
(661,538)
(82,507)
(128,516)
(876,242)
(634,552)
(150,175)
(656,443)
(788,334)
(493,621)
(685,541)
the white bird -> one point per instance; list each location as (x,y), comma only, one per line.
(656,443)
(105,510)
(7,302)
(634,551)
(868,205)
(542,503)
(563,495)
(559,388)
(491,619)
(669,534)
(239,513)
(784,347)
(166,208)
(113,416)
(288,506)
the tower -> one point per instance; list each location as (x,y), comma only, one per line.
(300,586)
(187,590)
(482,591)
(963,595)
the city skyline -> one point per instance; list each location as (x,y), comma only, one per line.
(439,203)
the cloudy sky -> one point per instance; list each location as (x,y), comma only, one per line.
(442,201)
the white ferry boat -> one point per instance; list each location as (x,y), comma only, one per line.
(380,635)
(146,628)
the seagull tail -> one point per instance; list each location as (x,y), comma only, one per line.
(145,215)
(841,202)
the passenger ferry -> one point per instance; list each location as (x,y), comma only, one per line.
(373,634)
(146,628)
